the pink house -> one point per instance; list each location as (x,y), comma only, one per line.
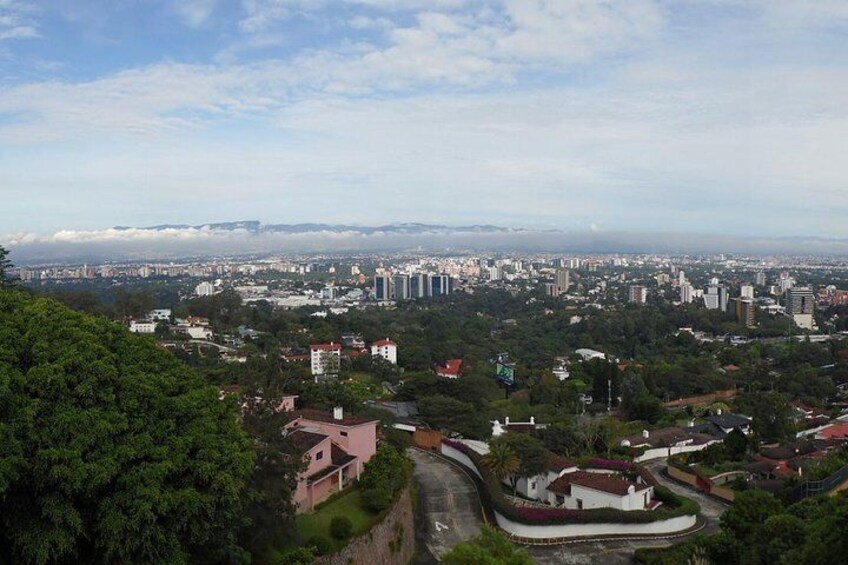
(337,447)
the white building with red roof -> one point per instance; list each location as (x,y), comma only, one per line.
(385,348)
(583,490)
(326,358)
(451,369)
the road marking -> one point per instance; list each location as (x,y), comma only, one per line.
(440,527)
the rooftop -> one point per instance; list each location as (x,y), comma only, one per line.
(328,417)
(603,482)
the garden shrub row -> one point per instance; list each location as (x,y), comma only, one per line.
(492,496)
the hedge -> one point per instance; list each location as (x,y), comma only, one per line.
(492,497)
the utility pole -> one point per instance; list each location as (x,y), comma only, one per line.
(609,396)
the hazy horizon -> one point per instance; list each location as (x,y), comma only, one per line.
(700,116)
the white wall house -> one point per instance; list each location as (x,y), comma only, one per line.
(386,349)
(160,314)
(198,332)
(536,488)
(325,358)
(584,491)
(143,327)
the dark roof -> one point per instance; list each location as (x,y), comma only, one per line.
(597,481)
(327,417)
(728,421)
(557,463)
(304,440)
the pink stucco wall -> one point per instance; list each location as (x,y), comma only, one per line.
(360,440)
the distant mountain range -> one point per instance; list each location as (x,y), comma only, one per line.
(256,227)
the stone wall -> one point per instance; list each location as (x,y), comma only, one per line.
(391,542)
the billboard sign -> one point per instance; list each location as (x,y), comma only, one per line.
(505,372)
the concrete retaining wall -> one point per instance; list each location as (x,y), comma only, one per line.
(662,452)
(391,542)
(460,457)
(670,526)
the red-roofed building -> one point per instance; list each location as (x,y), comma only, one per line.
(582,490)
(838,430)
(451,369)
(326,359)
(385,348)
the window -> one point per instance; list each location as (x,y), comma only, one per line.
(319,455)
(579,504)
(343,434)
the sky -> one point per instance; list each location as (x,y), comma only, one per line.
(701,116)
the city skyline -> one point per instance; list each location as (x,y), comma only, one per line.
(707,117)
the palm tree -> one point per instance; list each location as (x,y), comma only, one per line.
(503,462)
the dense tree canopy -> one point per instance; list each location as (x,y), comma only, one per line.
(110,449)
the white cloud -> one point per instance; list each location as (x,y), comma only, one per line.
(17,20)
(195,13)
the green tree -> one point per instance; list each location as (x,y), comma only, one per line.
(5,265)
(749,512)
(453,416)
(111,450)
(502,461)
(490,548)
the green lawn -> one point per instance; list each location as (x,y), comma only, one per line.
(349,505)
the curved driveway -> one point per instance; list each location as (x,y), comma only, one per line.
(449,510)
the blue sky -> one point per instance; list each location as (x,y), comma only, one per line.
(709,116)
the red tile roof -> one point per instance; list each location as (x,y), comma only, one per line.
(557,463)
(383,342)
(325,347)
(597,481)
(451,367)
(839,430)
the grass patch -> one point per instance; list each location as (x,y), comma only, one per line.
(348,505)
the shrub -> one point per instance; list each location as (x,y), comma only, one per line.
(492,496)
(341,527)
(299,556)
(376,499)
(320,544)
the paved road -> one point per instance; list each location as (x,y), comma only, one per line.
(449,509)
(448,497)
(621,552)
(711,509)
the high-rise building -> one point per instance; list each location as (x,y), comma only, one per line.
(402,287)
(638,294)
(419,286)
(495,273)
(716,298)
(562,280)
(761,278)
(746,291)
(382,287)
(551,289)
(800,305)
(440,285)
(681,278)
(686,293)
(745,311)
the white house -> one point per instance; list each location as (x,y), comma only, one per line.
(582,490)
(385,348)
(143,326)
(326,358)
(160,315)
(536,488)
(204,289)
(589,354)
(198,332)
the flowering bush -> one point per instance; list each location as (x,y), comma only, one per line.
(493,498)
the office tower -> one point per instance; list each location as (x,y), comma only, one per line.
(573,263)
(382,287)
(800,305)
(686,293)
(746,291)
(745,311)
(761,279)
(558,262)
(716,298)
(551,289)
(419,286)
(402,287)
(562,280)
(681,278)
(638,294)
(440,285)
(495,273)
